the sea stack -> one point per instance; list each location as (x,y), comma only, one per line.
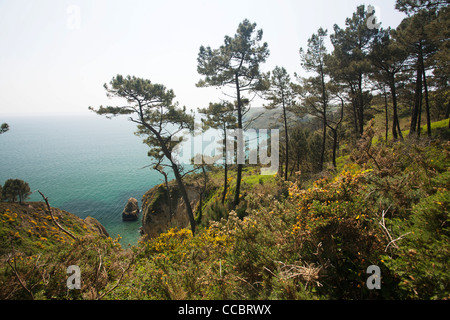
(131,211)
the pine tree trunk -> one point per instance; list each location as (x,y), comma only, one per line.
(334,147)
(361,107)
(185,197)
(240,138)
(324,106)
(286,160)
(225,180)
(386,110)
(396,124)
(176,172)
(427,103)
(417,100)
(355,114)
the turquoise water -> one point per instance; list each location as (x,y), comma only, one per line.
(86,164)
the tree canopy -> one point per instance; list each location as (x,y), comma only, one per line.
(16,189)
(236,63)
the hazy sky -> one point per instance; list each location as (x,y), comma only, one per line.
(55,55)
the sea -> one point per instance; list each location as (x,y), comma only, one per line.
(85,164)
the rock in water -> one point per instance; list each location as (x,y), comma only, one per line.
(131,211)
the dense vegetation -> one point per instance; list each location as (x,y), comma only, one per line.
(362,180)
(298,239)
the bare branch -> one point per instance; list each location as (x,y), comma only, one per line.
(118,281)
(393,241)
(382,223)
(50,211)
(14,269)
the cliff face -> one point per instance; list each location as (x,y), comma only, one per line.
(163,209)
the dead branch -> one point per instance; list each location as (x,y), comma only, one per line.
(393,241)
(50,211)
(118,281)
(308,273)
(14,269)
(382,223)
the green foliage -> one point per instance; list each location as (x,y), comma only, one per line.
(152,108)
(239,57)
(16,188)
(411,6)
(305,243)
(281,95)
(33,249)
(313,237)
(349,63)
(4,128)
(236,64)
(305,146)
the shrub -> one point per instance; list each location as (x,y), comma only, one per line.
(421,260)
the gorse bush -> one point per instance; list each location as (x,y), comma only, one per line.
(339,229)
(318,242)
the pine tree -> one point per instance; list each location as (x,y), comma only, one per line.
(389,59)
(151,107)
(220,116)
(314,92)
(281,94)
(236,64)
(424,35)
(351,64)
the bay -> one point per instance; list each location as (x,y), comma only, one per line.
(85,164)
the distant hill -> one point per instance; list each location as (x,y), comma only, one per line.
(261,118)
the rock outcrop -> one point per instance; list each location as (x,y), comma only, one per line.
(131,211)
(163,209)
(96,226)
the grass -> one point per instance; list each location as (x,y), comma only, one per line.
(442,125)
(29,228)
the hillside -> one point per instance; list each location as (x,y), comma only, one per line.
(317,241)
(387,206)
(29,228)
(261,118)
(35,253)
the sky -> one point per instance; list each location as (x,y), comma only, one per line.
(55,55)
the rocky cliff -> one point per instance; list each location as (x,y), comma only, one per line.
(163,209)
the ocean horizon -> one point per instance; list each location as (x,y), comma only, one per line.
(85,164)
